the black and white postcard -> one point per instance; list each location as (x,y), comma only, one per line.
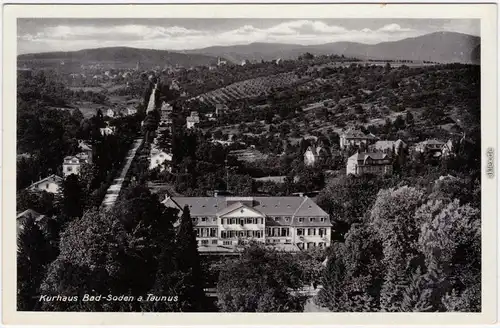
(294,164)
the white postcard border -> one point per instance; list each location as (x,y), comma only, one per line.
(485,12)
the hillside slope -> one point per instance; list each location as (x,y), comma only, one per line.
(439,47)
(121,57)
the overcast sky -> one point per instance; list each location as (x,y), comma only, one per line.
(43,35)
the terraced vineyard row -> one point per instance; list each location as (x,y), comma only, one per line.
(316,83)
(249,88)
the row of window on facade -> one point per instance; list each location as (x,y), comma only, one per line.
(242,221)
(311,245)
(270,232)
(301,246)
(285,232)
(236,234)
(212,233)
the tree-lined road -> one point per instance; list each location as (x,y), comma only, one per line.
(115,188)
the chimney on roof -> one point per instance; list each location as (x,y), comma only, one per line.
(215,193)
(301,194)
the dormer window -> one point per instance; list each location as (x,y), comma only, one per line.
(301,220)
(322,219)
(311,219)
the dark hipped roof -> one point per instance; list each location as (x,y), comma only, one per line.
(292,207)
(356,134)
(387,144)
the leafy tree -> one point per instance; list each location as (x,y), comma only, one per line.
(311,179)
(260,280)
(72,197)
(399,123)
(191,295)
(88,263)
(33,255)
(409,120)
(358,109)
(41,202)
(392,217)
(354,272)
(347,199)
(450,239)
(149,226)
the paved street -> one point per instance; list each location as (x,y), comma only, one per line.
(115,188)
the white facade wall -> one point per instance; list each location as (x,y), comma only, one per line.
(71,168)
(48,186)
(229,231)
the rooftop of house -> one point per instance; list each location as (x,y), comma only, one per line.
(51,178)
(356,134)
(79,158)
(29,212)
(431,142)
(195,119)
(387,144)
(292,207)
(372,155)
(84,146)
(156,151)
(26,214)
(24,155)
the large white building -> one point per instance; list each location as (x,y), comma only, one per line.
(233,221)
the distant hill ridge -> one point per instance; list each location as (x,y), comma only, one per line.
(124,55)
(438,47)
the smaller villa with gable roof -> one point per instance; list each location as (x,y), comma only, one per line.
(369,163)
(356,138)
